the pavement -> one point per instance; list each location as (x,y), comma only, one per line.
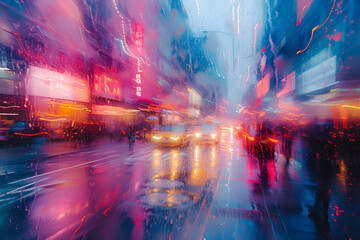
(105,191)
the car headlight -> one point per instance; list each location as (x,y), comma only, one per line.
(174,138)
(157,138)
(197,135)
(213,135)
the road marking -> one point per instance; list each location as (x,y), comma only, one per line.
(62,169)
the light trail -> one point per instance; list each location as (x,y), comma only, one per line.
(238,19)
(255,28)
(82,221)
(198,6)
(316,28)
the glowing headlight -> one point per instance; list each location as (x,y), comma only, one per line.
(157,138)
(197,135)
(174,138)
(213,135)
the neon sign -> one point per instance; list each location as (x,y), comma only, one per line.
(139,43)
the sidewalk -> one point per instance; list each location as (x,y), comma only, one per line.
(297,184)
(283,206)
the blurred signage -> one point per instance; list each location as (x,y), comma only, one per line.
(289,81)
(46,83)
(194,103)
(7,87)
(263,63)
(321,76)
(107,110)
(107,87)
(263,86)
(139,43)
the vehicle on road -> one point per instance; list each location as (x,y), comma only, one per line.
(206,134)
(171,135)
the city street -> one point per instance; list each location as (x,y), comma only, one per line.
(106,191)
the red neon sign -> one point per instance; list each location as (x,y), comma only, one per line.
(139,43)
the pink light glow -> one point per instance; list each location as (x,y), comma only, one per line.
(139,43)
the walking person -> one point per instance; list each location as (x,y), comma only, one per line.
(326,173)
(288,141)
(131,137)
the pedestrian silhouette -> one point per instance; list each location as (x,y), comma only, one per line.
(325,176)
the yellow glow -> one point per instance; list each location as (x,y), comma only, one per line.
(213,158)
(157,138)
(156,160)
(342,174)
(273,140)
(213,135)
(251,138)
(197,135)
(174,163)
(53,120)
(350,106)
(174,138)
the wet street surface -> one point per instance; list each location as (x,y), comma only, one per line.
(105,191)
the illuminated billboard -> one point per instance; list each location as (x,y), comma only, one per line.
(46,83)
(321,76)
(139,43)
(107,110)
(107,87)
(263,86)
(289,81)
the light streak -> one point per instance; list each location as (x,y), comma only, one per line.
(112,200)
(30,135)
(307,5)
(255,28)
(273,140)
(53,120)
(316,28)
(10,106)
(9,114)
(350,106)
(247,78)
(233,12)
(198,7)
(82,221)
(238,19)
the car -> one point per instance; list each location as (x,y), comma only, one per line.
(206,134)
(171,135)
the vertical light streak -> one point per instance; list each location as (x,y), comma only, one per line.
(156,160)
(255,30)
(198,6)
(248,75)
(213,157)
(197,156)
(174,163)
(336,118)
(233,10)
(122,23)
(238,19)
